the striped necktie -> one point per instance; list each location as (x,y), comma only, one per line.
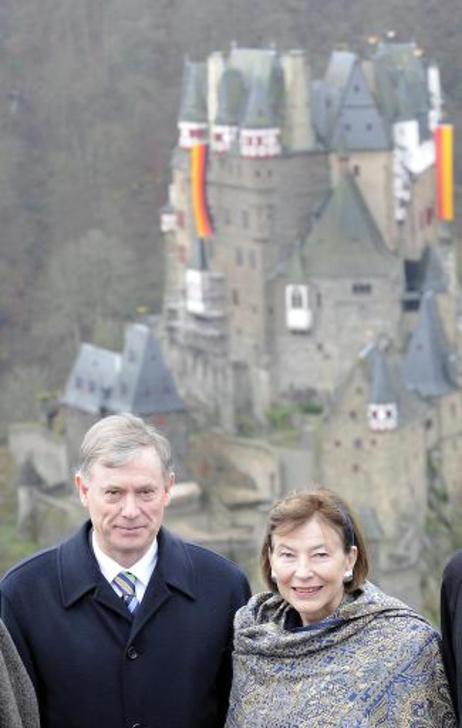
(125,581)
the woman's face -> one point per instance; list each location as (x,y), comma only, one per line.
(308,564)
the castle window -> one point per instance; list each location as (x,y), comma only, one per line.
(356,88)
(227,217)
(131,355)
(355,467)
(337,443)
(428,424)
(252,259)
(91,386)
(369,126)
(235,297)
(356,170)
(347,127)
(361,289)
(296,300)
(239,257)
(245,219)
(353,415)
(78,382)
(318,299)
(358,443)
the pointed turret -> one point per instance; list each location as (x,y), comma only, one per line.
(429,364)
(382,409)
(145,386)
(260,132)
(231,100)
(192,120)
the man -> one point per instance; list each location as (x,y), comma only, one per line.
(124,625)
(451,628)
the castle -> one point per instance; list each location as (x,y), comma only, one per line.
(309,265)
(310,323)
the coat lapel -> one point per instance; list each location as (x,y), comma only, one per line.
(79,574)
(174,572)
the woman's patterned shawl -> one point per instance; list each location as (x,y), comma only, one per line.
(375,662)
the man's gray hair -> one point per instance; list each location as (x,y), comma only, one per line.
(114,440)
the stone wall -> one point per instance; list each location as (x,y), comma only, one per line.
(46,450)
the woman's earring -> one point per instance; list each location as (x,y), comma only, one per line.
(348,576)
(273,576)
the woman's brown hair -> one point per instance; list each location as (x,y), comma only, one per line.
(299,507)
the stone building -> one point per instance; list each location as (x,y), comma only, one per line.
(309,266)
(135,380)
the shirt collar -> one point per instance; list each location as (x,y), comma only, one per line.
(142,569)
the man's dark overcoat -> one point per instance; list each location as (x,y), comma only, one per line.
(94,666)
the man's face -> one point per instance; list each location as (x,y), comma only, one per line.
(126,504)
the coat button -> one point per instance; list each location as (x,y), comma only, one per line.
(132,654)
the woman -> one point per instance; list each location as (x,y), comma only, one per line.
(18,706)
(324,647)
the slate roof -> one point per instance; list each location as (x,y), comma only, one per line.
(136,381)
(345,113)
(145,385)
(231,97)
(251,89)
(345,241)
(434,277)
(194,93)
(92,379)
(259,113)
(401,83)
(382,388)
(429,364)
(349,115)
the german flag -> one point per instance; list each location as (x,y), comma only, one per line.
(444,144)
(201,216)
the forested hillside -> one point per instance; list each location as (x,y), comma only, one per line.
(90,95)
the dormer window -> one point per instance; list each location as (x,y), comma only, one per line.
(299,316)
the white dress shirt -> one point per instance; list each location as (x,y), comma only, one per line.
(142,569)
